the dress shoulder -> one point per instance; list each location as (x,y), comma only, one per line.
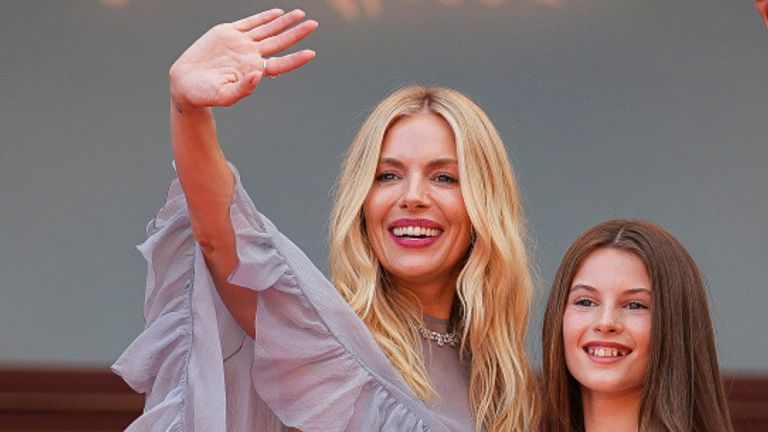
(313,364)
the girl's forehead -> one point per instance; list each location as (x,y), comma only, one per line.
(610,269)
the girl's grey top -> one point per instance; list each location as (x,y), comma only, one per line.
(313,364)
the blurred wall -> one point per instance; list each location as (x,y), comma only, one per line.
(650,109)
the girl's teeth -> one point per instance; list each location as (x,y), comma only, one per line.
(605,352)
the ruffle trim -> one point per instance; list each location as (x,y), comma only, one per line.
(157,362)
(315,364)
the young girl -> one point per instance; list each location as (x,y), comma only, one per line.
(627,337)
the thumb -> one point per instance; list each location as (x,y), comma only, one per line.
(250,81)
(232,93)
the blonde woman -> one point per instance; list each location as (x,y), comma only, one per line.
(427,252)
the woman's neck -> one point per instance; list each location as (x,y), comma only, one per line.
(436,296)
(611,412)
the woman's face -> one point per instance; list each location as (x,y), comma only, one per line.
(415,217)
(607,323)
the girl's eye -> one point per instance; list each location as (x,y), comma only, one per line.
(584,302)
(636,305)
(386,176)
(445,178)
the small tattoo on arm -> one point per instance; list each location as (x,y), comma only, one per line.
(178,108)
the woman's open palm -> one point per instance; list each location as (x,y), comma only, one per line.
(227,62)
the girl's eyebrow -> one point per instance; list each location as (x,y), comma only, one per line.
(638,291)
(582,286)
(593,289)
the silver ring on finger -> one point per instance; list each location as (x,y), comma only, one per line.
(264,64)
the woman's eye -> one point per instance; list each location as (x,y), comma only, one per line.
(636,305)
(584,302)
(386,176)
(446,178)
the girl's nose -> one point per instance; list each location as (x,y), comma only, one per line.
(609,320)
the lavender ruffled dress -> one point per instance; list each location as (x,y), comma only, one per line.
(313,365)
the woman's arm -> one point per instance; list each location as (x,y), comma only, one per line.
(219,69)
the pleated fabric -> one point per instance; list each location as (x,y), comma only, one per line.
(313,364)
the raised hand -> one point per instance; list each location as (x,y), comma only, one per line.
(227,62)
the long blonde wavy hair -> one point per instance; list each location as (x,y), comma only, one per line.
(494,288)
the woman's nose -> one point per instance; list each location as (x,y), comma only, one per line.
(415,194)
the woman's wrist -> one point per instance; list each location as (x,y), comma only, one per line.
(185,109)
(180,103)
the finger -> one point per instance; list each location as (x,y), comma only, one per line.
(252,21)
(276,26)
(280,65)
(275,44)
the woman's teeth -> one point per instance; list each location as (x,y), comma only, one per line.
(606,352)
(412,231)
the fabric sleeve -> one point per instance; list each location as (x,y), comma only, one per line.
(313,364)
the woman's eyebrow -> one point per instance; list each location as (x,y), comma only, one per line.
(433,162)
(390,161)
(443,161)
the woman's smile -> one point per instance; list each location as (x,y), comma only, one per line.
(415,232)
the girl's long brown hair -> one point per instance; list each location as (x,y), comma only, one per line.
(682,391)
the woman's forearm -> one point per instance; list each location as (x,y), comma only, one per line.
(204,173)
(208,185)
(221,68)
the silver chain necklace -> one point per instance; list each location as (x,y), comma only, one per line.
(451,338)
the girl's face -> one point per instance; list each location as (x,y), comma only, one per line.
(414,213)
(607,323)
